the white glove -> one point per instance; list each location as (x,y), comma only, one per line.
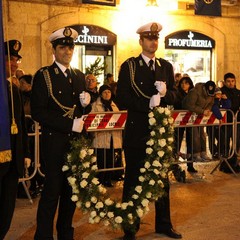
(161,87)
(78,124)
(155,101)
(85,98)
(27,162)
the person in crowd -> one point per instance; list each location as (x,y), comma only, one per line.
(177,78)
(106,142)
(58,101)
(138,92)
(11,171)
(200,101)
(91,85)
(185,85)
(220,83)
(233,94)
(19,73)
(220,102)
(110,81)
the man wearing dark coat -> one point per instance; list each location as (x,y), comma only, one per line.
(144,82)
(12,170)
(58,102)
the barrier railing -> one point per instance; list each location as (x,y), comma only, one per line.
(105,121)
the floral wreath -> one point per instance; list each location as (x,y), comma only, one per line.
(90,195)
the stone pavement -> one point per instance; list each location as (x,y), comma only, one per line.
(206,207)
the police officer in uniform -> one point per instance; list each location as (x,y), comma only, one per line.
(58,101)
(11,171)
(144,82)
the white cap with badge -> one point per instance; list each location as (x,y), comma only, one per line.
(150,30)
(63,36)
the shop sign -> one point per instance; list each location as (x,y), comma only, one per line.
(93,35)
(189,40)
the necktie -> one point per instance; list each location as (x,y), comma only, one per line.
(150,65)
(67,71)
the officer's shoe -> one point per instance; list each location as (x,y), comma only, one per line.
(192,169)
(170,233)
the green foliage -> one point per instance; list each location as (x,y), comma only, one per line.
(96,68)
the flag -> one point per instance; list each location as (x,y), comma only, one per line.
(208,7)
(5,149)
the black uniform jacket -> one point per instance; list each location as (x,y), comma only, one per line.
(19,142)
(46,110)
(134,96)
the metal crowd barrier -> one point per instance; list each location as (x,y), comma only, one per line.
(106,121)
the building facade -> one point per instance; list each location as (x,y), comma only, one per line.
(110,33)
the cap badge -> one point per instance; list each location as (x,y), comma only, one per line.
(16,46)
(154,27)
(67,32)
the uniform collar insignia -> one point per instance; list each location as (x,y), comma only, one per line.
(158,63)
(56,70)
(141,62)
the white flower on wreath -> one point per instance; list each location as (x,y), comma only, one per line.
(162,142)
(152,121)
(150,142)
(162,130)
(83,153)
(65,168)
(149,150)
(160,153)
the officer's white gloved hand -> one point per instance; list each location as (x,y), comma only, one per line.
(155,101)
(85,98)
(161,87)
(27,162)
(78,124)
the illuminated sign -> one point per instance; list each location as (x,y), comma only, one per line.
(189,40)
(93,35)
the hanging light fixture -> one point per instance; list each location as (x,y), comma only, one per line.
(152,3)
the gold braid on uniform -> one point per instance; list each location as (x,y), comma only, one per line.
(132,70)
(68,111)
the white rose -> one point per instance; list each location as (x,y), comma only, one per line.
(93,214)
(151,182)
(78,204)
(91,220)
(150,115)
(94,167)
(124,206)
(106,223)
(170,139)
(88,204)
(130,216)
(152,133)
(85,175)
(141,179)
(108,202)
(160,153)
(95,181)
(118,219)
(170,120)
(162,142)
(163,174)
(150,142)
(142,170)
(135,196)
(138,189)
(93,159)
(72,180)
(74,198)
(86,164)
(99,205)
(160,183)
(161,110)
(68,157)
(130,203)
(162,130)
(167,111)
(145,202)
(140,212)
(156,171)
(102,214)
(97,219)
(164,121)
(156,163)
(118,205)
(152,121)
(110,214)
(102,189)
(149,150)
(90,151)
(83,153)
(83,183)
(148,194)
(74,168)
(147,165)
(169,148)
(65,168)
(93,199)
